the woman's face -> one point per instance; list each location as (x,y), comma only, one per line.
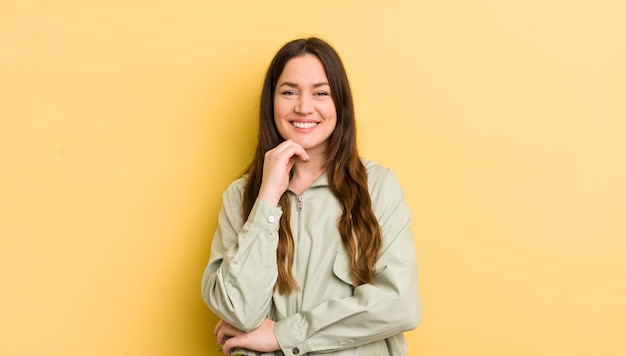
(304,110)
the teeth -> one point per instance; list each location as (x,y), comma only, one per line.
(304,125)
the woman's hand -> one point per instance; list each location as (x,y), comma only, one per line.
(261,339)
(276,168)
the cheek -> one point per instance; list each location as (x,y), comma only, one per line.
(330,112)
(281,109)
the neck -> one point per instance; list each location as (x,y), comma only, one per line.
(305,173)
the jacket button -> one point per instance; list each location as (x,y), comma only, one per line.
(295,351)
(271,219)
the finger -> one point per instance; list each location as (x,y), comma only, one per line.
(221,338)
(230,344)
(303,156)
(218,326)
(291,148)
(226,332)
(300,151)
(222,333)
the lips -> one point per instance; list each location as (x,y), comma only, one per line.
(304,125)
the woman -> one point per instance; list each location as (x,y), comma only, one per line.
(313,253)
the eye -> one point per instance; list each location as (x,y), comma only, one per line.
(288,92)
(322,93)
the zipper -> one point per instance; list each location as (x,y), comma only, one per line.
(296,252)
(299,207)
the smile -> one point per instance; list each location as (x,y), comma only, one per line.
(304,125)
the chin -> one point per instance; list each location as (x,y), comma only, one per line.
(307,145)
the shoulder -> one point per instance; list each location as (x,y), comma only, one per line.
(384,187)
(373,169)
(234,192)
(379,176)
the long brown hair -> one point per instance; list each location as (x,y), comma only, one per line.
(357,225)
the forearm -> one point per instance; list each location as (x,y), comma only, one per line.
(239,280)
(374,312)
(344,324)
(389,306)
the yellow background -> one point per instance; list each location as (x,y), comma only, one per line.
(121,122)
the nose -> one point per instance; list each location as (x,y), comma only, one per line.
(304,105)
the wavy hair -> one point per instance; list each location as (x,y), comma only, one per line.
(358,227)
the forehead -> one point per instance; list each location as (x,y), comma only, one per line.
(304,68)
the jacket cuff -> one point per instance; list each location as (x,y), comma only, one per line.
(266,216)
(291,336)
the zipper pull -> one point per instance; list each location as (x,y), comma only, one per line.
(299,206)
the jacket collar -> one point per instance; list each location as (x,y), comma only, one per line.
(321,181)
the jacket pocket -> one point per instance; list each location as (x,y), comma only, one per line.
(342,269)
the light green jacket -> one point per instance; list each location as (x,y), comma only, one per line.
(327,315)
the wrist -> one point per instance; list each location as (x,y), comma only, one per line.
(269,197)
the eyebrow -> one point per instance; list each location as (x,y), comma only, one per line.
(294,85)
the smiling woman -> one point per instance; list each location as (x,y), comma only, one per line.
(313,253)
(304,110)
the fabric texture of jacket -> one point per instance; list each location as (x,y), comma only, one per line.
(327,314)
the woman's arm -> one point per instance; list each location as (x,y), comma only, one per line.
(238,282)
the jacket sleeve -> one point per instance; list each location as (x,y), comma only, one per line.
(239,279)
(389,306)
